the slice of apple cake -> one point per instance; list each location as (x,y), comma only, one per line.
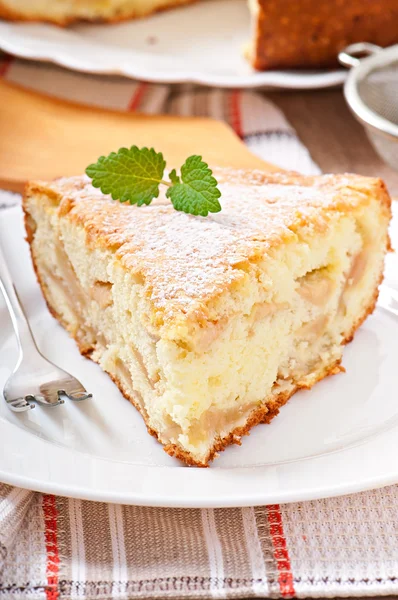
(209,325)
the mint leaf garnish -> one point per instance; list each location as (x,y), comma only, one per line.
(129,175)
(134,175)
(198,193)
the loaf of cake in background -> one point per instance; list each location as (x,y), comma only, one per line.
(310,33)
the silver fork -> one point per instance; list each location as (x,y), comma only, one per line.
(35,380)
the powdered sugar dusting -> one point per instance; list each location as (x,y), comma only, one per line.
(185,260)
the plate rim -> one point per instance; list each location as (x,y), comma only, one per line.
(207,488)
(256,80)
(170,500)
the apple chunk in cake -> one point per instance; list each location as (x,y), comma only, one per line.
(208,325)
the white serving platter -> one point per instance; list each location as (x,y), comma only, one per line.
(202,43)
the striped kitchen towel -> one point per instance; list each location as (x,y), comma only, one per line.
(54,548)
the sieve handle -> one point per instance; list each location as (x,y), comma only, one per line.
(352,54)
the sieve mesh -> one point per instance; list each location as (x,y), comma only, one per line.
(379,91)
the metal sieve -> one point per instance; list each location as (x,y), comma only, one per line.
(371,91)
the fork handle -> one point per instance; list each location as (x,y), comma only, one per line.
(19,321)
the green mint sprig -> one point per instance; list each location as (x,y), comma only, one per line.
(134,175)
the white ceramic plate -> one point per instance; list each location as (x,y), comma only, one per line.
(201,43)
(340,437)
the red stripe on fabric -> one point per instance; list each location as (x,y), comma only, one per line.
(5,64)
(236,114)
(51,537)
(137,97)
(281,554)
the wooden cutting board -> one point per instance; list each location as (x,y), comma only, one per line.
(44,138)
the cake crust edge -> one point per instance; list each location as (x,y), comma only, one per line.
(14,15)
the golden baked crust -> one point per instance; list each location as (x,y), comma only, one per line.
(311,33)
(208,255)
(17,15)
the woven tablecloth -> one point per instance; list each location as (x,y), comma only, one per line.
(57,548)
